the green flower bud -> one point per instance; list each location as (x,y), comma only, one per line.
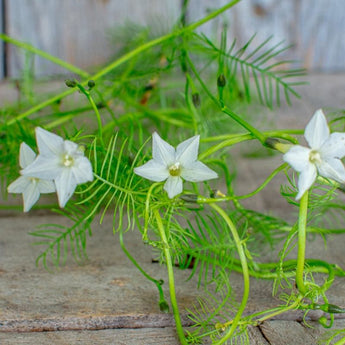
(221,81)
(163,307)
(71,83)
(196,99)
(91,84)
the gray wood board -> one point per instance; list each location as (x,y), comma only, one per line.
(79,31)
(313,27)
(108,292)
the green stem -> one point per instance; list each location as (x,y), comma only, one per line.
(162,302)
(124,59)
(302,223)
(95,109)
(256,133)
(168,260)
(245,271)
(45,55)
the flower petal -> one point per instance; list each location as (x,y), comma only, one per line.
(43,167)
(332,168)
(162,152)
(187,151)
(173,186)
(82,170)
(334,146)
(65,186)
(198,172)
(26,155)
(153,171)
(46,186)
(19,185)
(30,196)
(306,179)
(48,143)
(317,130)
(298,157)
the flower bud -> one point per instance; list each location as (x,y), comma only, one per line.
(71,83)
(276,144)
(221,81)
(163,307)
(91,84)
(196,99)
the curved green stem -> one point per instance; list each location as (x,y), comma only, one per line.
(45,55)
(302,223)
(95,109)
(125,58)
(168,260)
(245,273)
(162,302)
(257,134)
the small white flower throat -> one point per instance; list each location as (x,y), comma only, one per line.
(315,157)
(67,160)
(175,169)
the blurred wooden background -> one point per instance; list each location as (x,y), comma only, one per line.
(78,30)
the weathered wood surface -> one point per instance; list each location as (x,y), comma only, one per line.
(313,27)
(106,300)
(79,31)
(2,51)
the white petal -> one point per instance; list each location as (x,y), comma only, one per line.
(298,157)
(334,146)
(19,185)
(187,151)
(82,170)
(162,152)
(65,186)
(30,196)
(43,167)
(198,172)
(332,168)
(153,171)
(48,143)
(173,186)
(71,148)
(317,130)
(305,180)
(45,186)
(26,155)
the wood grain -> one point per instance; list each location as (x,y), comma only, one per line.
(2,46)
(313,27)
(78,31)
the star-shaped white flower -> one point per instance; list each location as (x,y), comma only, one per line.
(174,165)
(322,157)
(62,161)
(30,187)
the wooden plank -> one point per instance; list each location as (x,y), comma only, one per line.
(152,336)
(322,31)
(78,31)
(286,333)
(2,47)
(291,332)
(313,27)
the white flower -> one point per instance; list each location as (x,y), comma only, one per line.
(30,187)
(322,157)
(62,161)
(174,165)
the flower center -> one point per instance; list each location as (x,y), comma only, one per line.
(175,169)
(314,157)
(34,179)
(67,160)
